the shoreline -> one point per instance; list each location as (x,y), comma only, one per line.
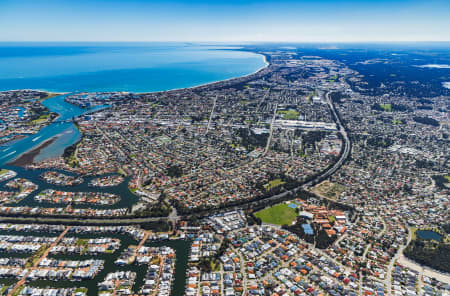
(266,65)
(41,90)
(12,141)
(28,156)
(29,151)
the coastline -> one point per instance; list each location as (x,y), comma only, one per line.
(266,65)
(51,93)
(28,156)
(34,153)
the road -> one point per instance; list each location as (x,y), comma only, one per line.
(269,139)
(393,260)
(347,145)
(122,221)
(211,115)
(81,220)
(343,157)
(36,263)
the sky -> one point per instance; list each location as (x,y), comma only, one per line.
(225,21)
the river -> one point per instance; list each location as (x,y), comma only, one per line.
(65,132)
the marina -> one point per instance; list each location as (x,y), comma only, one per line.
(181,248)
(127,198)
(55,130)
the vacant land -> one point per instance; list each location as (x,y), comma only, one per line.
(289,114)
(333,78)
(386,107)
(41,119)
(272,184)
(328,189)
(278,214)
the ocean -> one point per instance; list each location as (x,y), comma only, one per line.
(95,67)
(133,67)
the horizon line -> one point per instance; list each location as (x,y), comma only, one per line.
(227,42)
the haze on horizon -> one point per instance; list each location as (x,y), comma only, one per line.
(225,21)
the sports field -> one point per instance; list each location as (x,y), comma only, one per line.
(279,214)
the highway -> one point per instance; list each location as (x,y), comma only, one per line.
(174,216)
(347,145)
(330,171)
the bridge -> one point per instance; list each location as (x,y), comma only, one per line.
(175,216)
(63,120)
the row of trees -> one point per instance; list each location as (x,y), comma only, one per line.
(156,226)
(426,120)
(159,209)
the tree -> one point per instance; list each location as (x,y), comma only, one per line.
(174,171)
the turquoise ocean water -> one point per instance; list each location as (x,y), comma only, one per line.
(133,67)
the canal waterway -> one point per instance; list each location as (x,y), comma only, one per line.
(181,248)
(137,68)
(65,132)
(103,67)
(127,198)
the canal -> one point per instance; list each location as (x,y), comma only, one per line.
(127,198)
(181,248)
(65,132)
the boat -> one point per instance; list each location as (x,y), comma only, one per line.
(11,153)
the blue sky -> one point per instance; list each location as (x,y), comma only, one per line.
(225,21)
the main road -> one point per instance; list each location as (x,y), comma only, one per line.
(347,146)
(174,216)
(325,174)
